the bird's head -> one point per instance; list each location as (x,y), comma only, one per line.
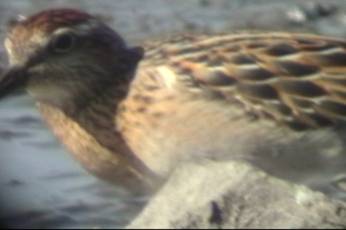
(65,55)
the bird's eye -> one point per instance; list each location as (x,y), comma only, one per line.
(64,43)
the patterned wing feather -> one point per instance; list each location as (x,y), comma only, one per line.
(296,79)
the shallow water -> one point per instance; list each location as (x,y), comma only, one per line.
(41,185)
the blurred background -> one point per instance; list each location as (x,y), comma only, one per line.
(40,183)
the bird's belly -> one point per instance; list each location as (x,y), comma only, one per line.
(307,156)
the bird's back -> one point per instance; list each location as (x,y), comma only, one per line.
(296,79)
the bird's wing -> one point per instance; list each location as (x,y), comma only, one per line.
(297,79)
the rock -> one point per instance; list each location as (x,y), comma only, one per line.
(236,195)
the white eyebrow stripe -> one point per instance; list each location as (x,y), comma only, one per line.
(62,30)
(81,29)
(87,26)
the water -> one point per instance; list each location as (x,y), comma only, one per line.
(41,185)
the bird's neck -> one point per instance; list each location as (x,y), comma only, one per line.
(90,134)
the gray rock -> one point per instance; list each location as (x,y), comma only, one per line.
(236,195)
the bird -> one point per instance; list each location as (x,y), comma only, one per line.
(131,114)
